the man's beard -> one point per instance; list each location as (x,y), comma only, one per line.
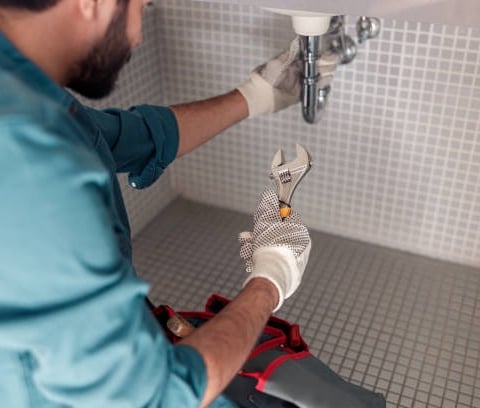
(95,76)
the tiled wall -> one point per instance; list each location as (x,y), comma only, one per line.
(396,156)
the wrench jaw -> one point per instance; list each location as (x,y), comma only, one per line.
(278,159)
(287,176)
(303,157)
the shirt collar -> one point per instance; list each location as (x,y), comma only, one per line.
(11,59)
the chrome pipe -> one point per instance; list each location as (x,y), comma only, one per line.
(335,40)
(310,47)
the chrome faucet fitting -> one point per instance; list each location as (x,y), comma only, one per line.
(339,42)
(367,28)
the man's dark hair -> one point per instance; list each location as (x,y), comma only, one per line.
(34,5)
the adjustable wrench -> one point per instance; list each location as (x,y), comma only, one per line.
(286,176)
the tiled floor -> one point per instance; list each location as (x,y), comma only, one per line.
(400,324)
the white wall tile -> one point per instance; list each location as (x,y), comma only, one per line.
(396,155)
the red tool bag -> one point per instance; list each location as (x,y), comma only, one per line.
(280,371)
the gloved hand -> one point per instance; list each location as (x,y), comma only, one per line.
(276,250)
(276,84)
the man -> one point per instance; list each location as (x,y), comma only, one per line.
(74,329)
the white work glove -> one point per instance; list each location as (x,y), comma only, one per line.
(276,84)
(276,250)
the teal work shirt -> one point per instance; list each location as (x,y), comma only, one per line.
(74,329)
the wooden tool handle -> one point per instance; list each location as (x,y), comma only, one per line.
(179,326)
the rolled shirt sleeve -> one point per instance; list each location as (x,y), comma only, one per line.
(143,140)
(69,300)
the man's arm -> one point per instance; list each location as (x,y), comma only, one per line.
(271,87)
(276,253)
(226,341)
(198,122)
(145,139)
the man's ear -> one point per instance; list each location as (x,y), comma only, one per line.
(88,8)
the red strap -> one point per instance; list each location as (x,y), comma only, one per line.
(274,365)
(289,333)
